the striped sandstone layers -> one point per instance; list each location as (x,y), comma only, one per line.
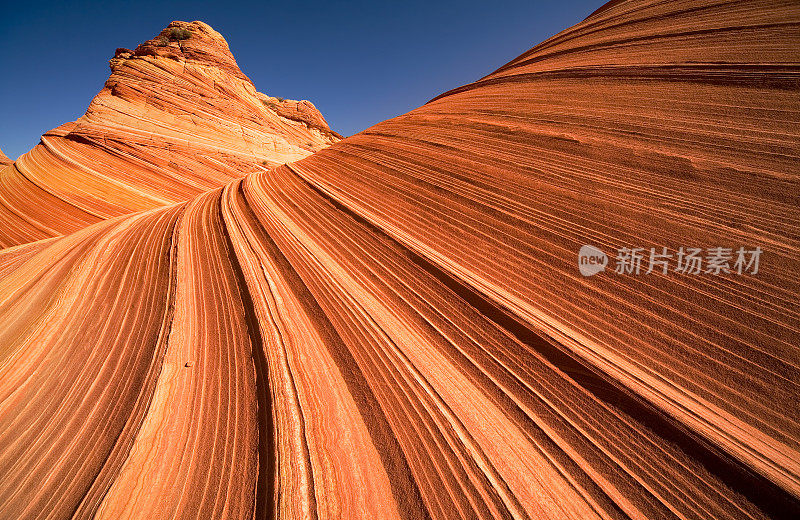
(396,327)
(4,160)
(175,118)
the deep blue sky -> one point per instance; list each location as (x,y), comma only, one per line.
(358,62)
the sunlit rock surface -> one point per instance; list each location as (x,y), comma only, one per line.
(396,327)
(4,160)
(175,118)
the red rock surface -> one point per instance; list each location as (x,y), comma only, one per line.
(175,118)
(4,160)
(395,327)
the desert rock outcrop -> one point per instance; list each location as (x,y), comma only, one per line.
(4,160)
(175,118)
(396,326)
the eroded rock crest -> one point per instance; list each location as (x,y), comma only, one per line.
(396,326)
(175,118)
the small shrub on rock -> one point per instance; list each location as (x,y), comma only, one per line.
(177,33)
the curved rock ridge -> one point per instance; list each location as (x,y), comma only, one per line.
(175,118)
(396,326)
(4,160)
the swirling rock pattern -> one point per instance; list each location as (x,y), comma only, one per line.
(395,326)
(176,118)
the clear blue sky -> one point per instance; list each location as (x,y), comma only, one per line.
(359,62)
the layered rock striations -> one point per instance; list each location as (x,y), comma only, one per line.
(176,118)
(396,326)
(4,160)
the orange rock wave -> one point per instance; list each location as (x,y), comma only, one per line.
(4,160)
(175,118)
(396,326)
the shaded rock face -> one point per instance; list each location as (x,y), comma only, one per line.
(175,118)
(396,326)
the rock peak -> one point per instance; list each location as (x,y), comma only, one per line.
(4,159)
(176,117)
(193,41)
(198,44)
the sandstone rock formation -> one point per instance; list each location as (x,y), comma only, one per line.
(396,327)
(176,118)
(4,160)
